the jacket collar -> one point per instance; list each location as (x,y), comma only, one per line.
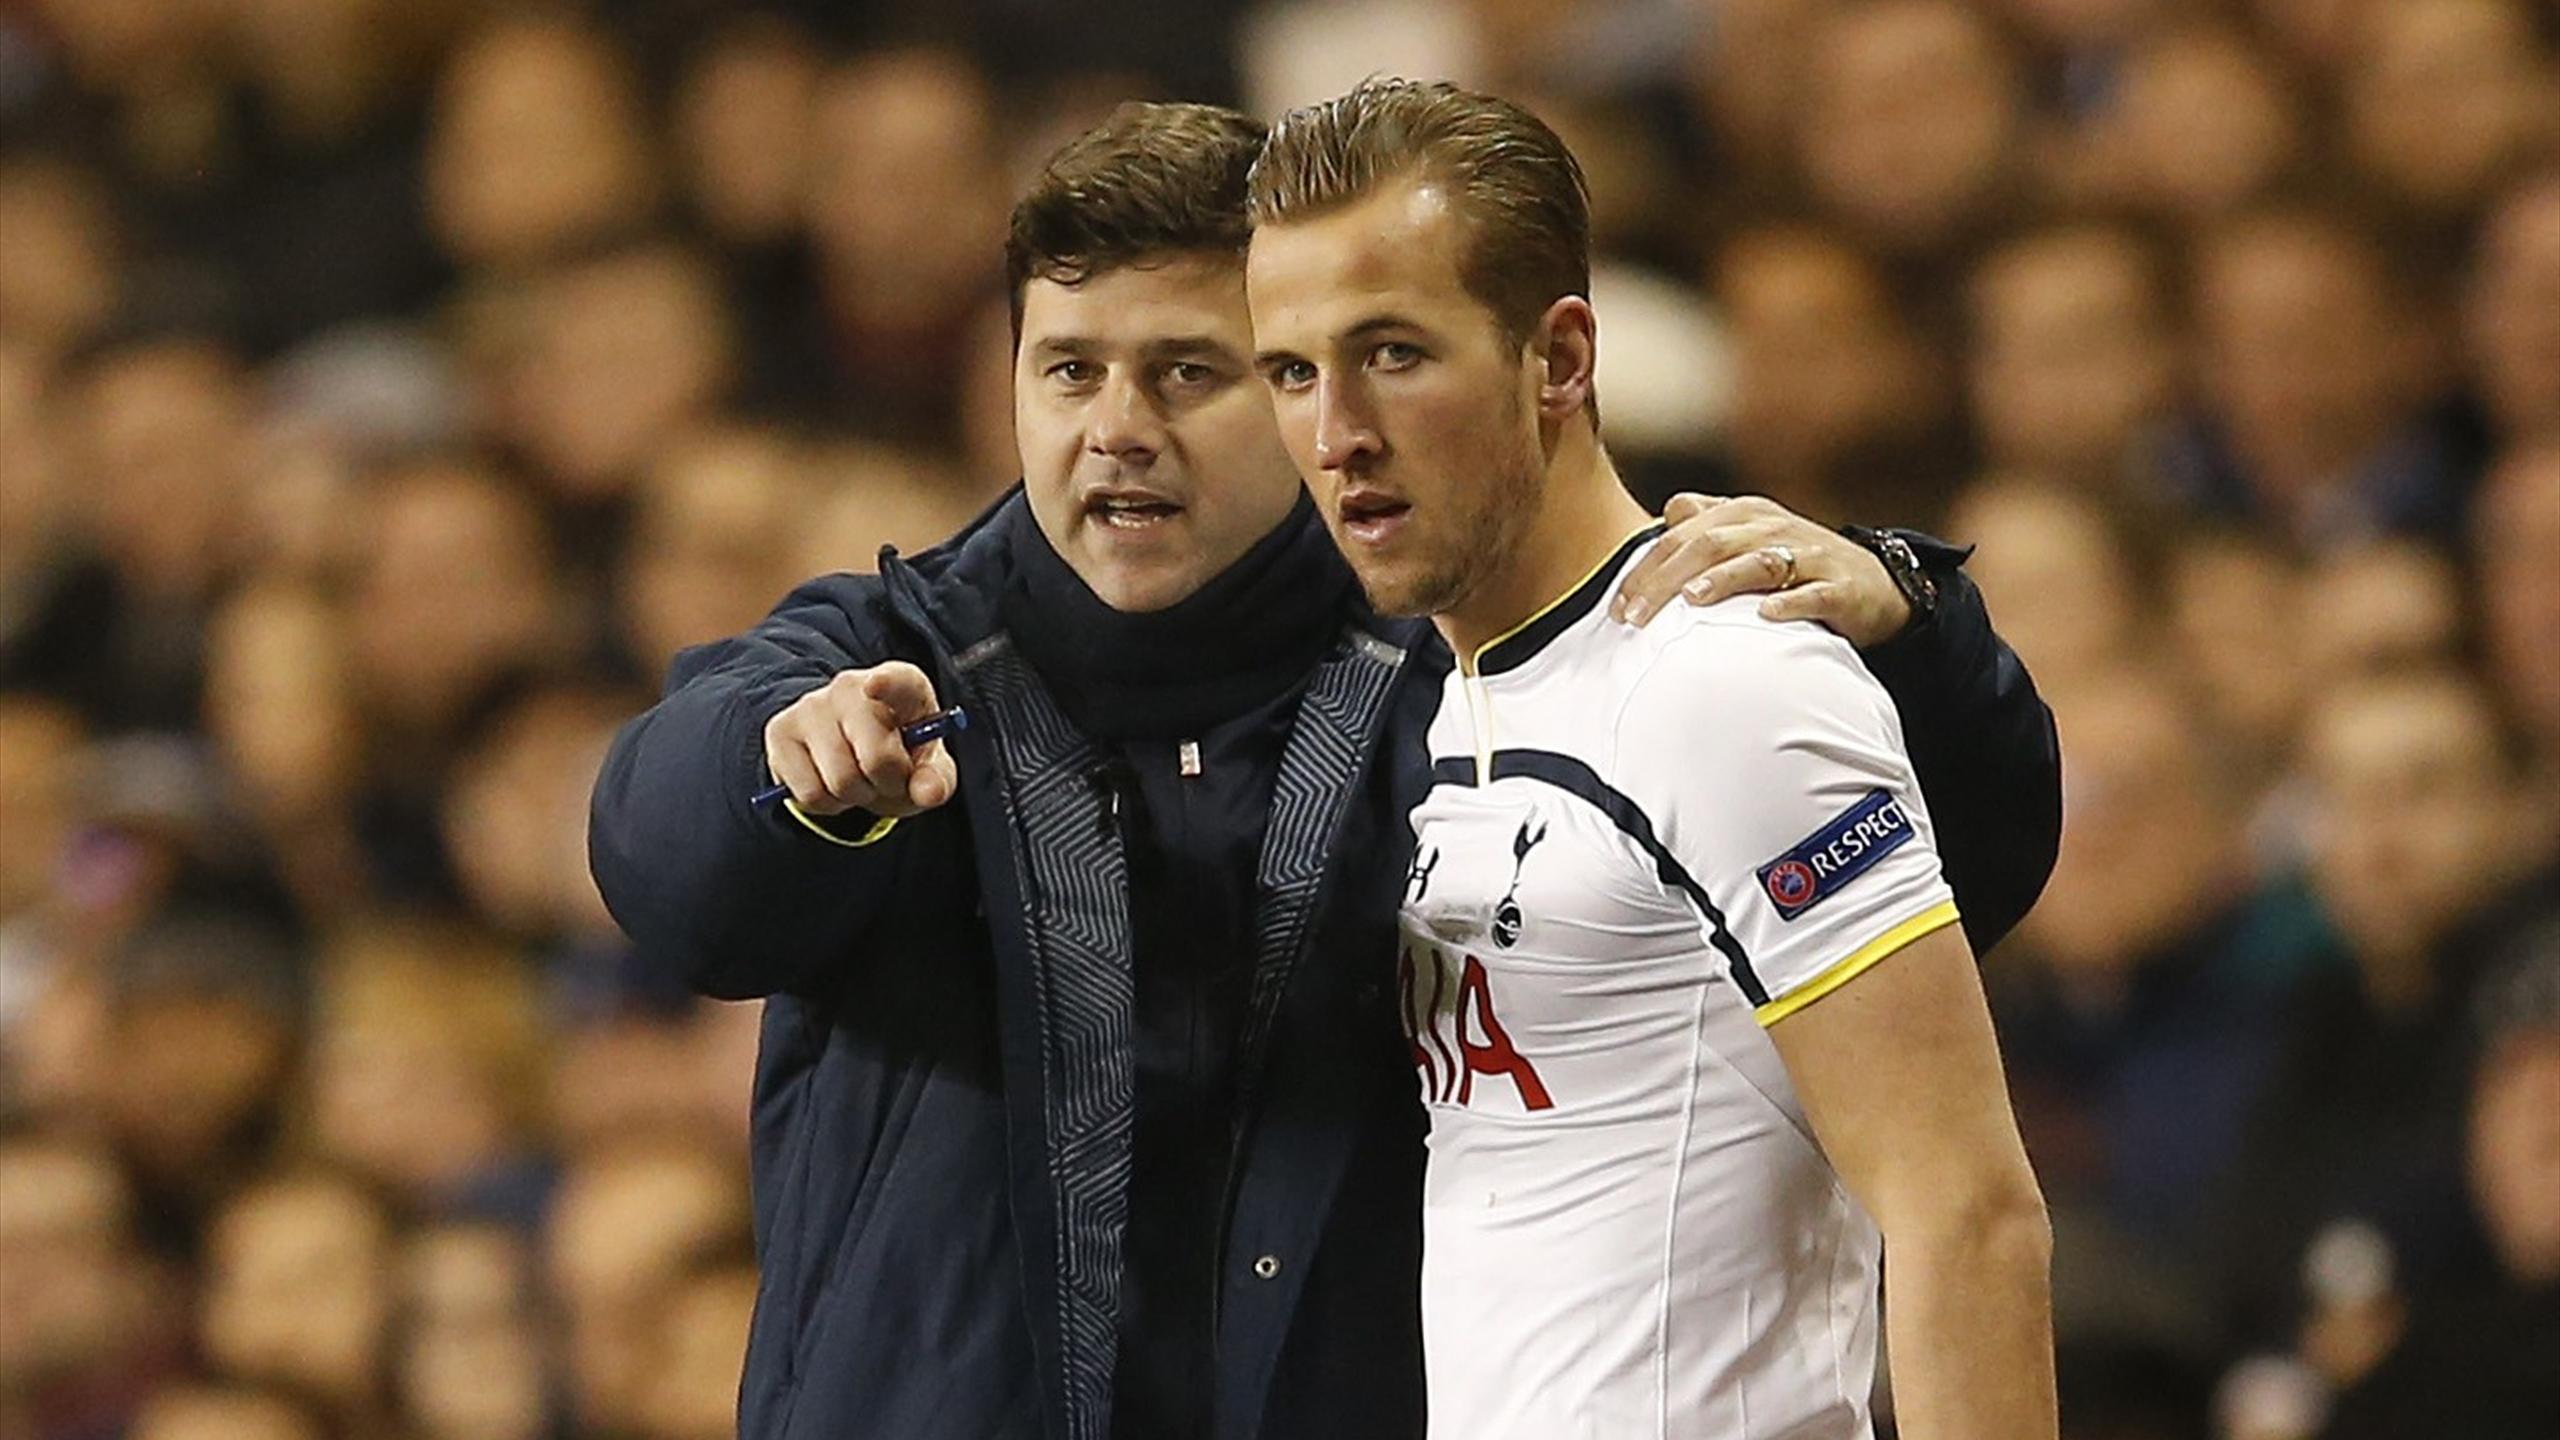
(949,591)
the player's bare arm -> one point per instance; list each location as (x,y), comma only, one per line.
(1900,1077)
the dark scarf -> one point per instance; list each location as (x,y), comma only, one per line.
(1247,637)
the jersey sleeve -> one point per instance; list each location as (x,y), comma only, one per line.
(1786,805)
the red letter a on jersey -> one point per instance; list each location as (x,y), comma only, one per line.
(1494,1056)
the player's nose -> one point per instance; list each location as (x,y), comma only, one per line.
(1346,433)
(1125,422)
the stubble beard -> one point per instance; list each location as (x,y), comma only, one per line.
(1481,541)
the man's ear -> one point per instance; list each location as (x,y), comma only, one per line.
(1567,343)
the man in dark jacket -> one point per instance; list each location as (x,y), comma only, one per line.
(1083,1109)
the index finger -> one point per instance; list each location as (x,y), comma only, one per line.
(1640,590)
(1688,505)
(1689,550)
(903,692)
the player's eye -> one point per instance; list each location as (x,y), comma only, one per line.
(1289,374)
(1396,355)
(1190,374)
(1076,373)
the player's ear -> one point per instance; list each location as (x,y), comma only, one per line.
(1567,344)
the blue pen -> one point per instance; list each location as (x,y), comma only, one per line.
(931,728)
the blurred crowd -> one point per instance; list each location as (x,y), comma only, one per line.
(388,388)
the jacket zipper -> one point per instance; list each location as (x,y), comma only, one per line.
(1248,1072)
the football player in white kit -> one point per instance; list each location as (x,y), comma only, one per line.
(1703,1047)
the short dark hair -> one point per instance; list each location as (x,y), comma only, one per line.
(1152,181)
(1518,189)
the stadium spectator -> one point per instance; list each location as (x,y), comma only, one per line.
(337,406)
(207,1412)
(432,654)
(1833,386)
(299,506)
(159,430)
(2056,560)
(631,1222)
(2074,359)
(298,1293)
(49,589)
(2195,126)
(2248,680)
(200,1034)
(323,222)
(874,495)
(618,355)
(321,68)
(59,277)
(709,550)
(986,455)
(137,98)
(1911,125)
(2445,97)
(515,808)
(2318,36)
(1747,81)
(280,710)
(38,739)
(2383,606)
(894,295)
(2519,591)
(2467,1350)
(538,145)
(2419,843)
(2512,315)
(635,1066)
(473,1357)
(2083,38)
(425,1071)
(2138,1038)
(741,120)
(456,593)
(84,1324)
(2319,389)
(700,1346)
(1626,162)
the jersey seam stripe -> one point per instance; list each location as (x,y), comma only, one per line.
(1671,1223)
(1575,777)
(1479,718)
(1937,917)
(1719,934)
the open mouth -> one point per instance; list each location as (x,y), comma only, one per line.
(1131,510)
(1371,517)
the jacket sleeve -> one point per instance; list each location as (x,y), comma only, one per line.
(736,900)
(1983,742)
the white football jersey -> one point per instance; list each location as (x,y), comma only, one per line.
(1641,847)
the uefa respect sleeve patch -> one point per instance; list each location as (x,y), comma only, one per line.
(1822,863)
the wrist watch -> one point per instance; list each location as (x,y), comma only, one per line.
(1903,564)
